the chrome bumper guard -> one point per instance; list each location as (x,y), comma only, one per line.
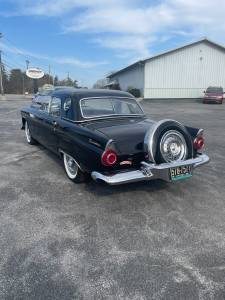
(149,171)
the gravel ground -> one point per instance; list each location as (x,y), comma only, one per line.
(155,240)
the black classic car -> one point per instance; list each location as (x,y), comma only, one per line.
(105,134)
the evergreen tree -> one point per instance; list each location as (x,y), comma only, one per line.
(75,83)
(69,81)
(100,84)
(16,81)
(56,81)
(5,79)
(44,80)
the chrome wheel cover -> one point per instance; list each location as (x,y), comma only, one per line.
(70,166)
(27,132)
(173,146)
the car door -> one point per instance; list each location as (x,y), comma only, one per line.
(41,115)
(51,123)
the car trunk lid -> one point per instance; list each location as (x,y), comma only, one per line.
(127,133)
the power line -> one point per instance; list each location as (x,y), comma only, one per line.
(13,61)
(26,55)
(11,50)
(9,65)
(27,63)
(18,52)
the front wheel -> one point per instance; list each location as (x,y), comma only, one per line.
(28,135)
(73,170)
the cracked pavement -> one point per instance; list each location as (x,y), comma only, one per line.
(150,240)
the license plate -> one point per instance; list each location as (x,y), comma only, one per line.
(179,173)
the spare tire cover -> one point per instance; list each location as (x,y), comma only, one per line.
(154,134)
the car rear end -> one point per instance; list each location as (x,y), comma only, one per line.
(167,151)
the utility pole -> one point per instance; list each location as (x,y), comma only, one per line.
(53,79)
(27,63)
(1,81)
(23,85)
(68,78)
(24,78)
(49,74)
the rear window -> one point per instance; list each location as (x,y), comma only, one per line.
(214,89)
(98,107)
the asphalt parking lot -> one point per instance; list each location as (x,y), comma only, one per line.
(155,240)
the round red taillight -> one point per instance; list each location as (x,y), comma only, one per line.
(199,143)
(109,158)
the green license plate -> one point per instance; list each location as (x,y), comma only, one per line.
(179,173)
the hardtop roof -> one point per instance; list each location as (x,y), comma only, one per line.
(88,93)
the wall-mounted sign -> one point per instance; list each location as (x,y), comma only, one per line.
(34,73)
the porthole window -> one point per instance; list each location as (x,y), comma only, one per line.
(67,105)
(67,108)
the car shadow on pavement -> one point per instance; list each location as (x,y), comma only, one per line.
(102,189)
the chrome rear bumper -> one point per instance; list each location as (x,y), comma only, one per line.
(149,171)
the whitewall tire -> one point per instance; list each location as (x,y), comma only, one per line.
(28,135)
(73,170)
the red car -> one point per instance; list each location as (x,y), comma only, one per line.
(213,94)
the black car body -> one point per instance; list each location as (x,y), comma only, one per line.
(106,134)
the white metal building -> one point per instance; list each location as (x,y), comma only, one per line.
(183,72)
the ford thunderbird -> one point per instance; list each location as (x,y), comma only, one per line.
(106,135)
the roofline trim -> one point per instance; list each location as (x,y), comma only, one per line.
(139,62)
(167,52)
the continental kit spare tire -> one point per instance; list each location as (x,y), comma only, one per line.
(168,141)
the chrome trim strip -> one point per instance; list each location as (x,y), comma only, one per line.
(108,118)
(149,171)
(200,132)
(94,142)
(196,162)
(120,178)
(111,141)
(108,97)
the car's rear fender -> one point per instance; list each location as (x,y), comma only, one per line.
(193,131)
(23,123)
(84,145)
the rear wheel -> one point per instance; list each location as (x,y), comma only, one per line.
(28,135)
(73,170)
